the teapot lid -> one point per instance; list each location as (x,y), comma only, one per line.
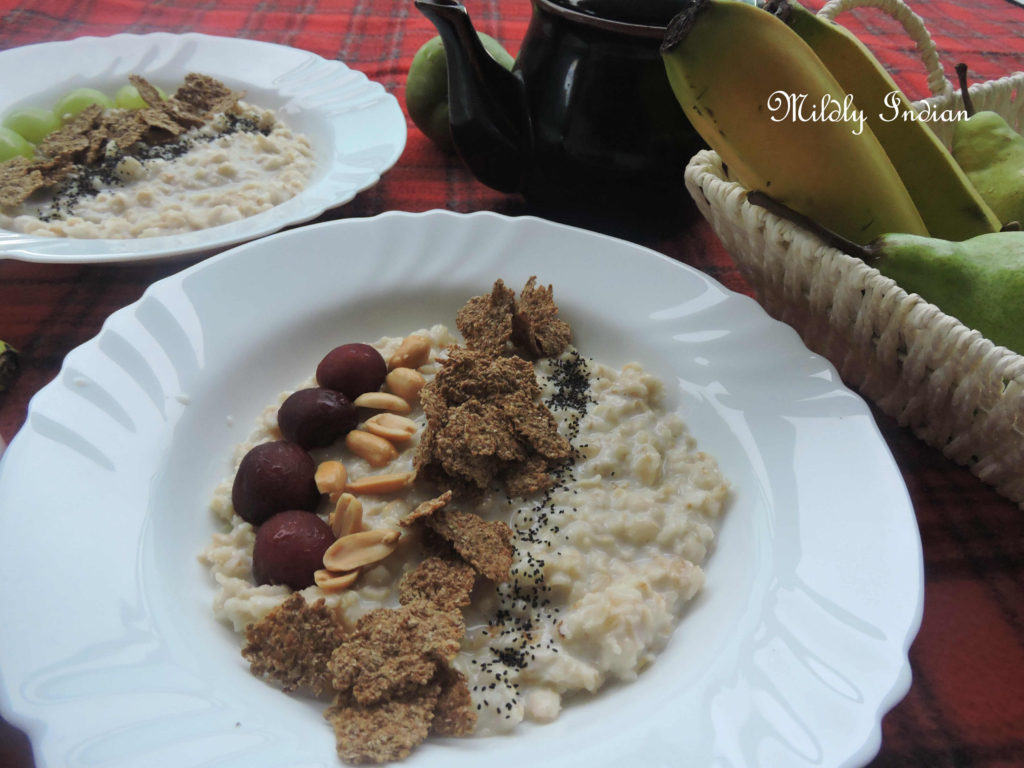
(656,13)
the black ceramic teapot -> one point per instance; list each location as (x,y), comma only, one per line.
(585,120)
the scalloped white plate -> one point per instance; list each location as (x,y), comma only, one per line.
(356,128)
(108,649)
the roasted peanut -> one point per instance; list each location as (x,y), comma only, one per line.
(406,383)
(359,549)
(329,581)
(413,352)
(376,450)
(391,426)
(381,484)
(347,516)
(383,401)
(331,477)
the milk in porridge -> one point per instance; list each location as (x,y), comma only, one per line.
(237,164)
(604,562)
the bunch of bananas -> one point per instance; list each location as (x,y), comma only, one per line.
(845,166)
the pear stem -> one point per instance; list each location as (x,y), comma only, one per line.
(830,238)
(961,72)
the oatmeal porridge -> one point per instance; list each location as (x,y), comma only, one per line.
(603,559)
(209,167)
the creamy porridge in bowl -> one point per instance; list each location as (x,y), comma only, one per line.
(483,528)
(196,159)
(354,128)
(803,619)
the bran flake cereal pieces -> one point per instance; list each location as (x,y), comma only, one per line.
(392,652)
(536,427)
(66,150)
(184,110)
(470,437)
(532,324)
(444,583)
(454,714)
(124,128)
(486,321)
(157,118)
(182,113)
(483,423)
(147,91)
(19,179)
(383,731)
(486,546)
(474,443)
(527,477)
(293,644)
(203,94)
(70,141)
(97,143)
(467,374)
(428,507)
(432,544)
(536,328)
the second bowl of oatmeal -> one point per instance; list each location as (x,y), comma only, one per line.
(297,135)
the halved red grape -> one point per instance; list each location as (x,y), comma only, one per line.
(352,369)
(274,477)
(290,548)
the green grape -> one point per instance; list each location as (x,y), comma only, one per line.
(128,97)
(80,98)
(32,123)
(13,144)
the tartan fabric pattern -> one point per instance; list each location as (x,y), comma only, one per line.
(966,705)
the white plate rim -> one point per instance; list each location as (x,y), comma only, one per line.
(323,194)
(901,679)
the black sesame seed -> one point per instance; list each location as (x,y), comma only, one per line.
(521,602)
(89,180)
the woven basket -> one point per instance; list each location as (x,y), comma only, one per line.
(953,387)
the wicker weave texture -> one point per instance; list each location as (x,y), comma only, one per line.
(955,389)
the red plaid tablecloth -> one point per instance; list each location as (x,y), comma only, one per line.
(966,706)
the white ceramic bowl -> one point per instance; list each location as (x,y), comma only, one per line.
(356,128)
(108,648)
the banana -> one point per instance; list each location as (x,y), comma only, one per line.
(841,179)
(948,203)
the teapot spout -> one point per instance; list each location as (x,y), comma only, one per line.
(486,102)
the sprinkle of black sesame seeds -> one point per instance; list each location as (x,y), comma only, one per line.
(524,604)
(89,181)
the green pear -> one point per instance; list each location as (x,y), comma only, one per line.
(979,281)
(426,87)
(8,365)
(991,153)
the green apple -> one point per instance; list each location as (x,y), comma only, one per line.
(13,144)
(74,102)
(32,123)
(426,87)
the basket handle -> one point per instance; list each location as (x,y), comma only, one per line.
(914,27)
